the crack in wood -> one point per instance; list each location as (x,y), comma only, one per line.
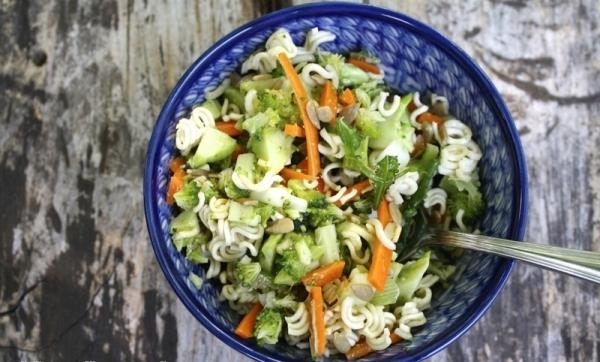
(72,325)
(12,309)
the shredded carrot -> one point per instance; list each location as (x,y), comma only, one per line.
(176,164)
(362,348)
(246,327)
(329,98)
(347,97)
(177,179)
(366,66)
(290,174)
(324,274)
(360,188)
(429,117)
(312,135)
(294,130)
(229,128)
(303,165)
(382,256)
(317,325)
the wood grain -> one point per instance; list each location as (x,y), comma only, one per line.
(81,83)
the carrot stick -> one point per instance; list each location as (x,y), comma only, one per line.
(382,256)
(290,174)
(176,164)
(177,179)
(317,325)
(329,97)
(246,327)
(324,274)
(360,188)
(362,348)
(347,98)
(312,135)
(228,128)
(429,117)
(293,130)
(303,165)
(366,66)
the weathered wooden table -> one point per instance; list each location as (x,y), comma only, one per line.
(81,83)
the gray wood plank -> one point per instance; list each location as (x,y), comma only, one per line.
(81,83)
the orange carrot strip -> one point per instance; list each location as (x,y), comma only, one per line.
(382,256)
(329,97)
(324,274)
(228,128)
(293,130)
(362,348)
(177,179)
(360,188)
(312,135)
(246,327)
(290,174)
(429,117)
(176,164)
(317,325)
(303,165)
(366,66)
(347,97)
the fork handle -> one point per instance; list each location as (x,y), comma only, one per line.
(579,263)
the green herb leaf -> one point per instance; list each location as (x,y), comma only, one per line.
(355,149)
(386,173)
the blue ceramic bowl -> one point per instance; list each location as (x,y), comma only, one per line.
(414,57)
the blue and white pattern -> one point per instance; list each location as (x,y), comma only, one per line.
(414,58)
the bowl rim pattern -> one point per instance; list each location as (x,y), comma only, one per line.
(478,76)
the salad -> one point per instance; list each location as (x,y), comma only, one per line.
(300,184)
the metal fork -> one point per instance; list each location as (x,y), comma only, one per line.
(579,263)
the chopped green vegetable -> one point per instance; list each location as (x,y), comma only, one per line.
(410,276)
(268,326)
(187,197)
(463,195)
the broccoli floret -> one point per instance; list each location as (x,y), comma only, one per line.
(247,273)
(227,186)
(318,216)
(185,225)
(265,211)
(209,190)
(298,259)
(463,195)
(314,197)
(193,247)
(268,326)
(319,212)
(187,197)
(279,100)
(291,269)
